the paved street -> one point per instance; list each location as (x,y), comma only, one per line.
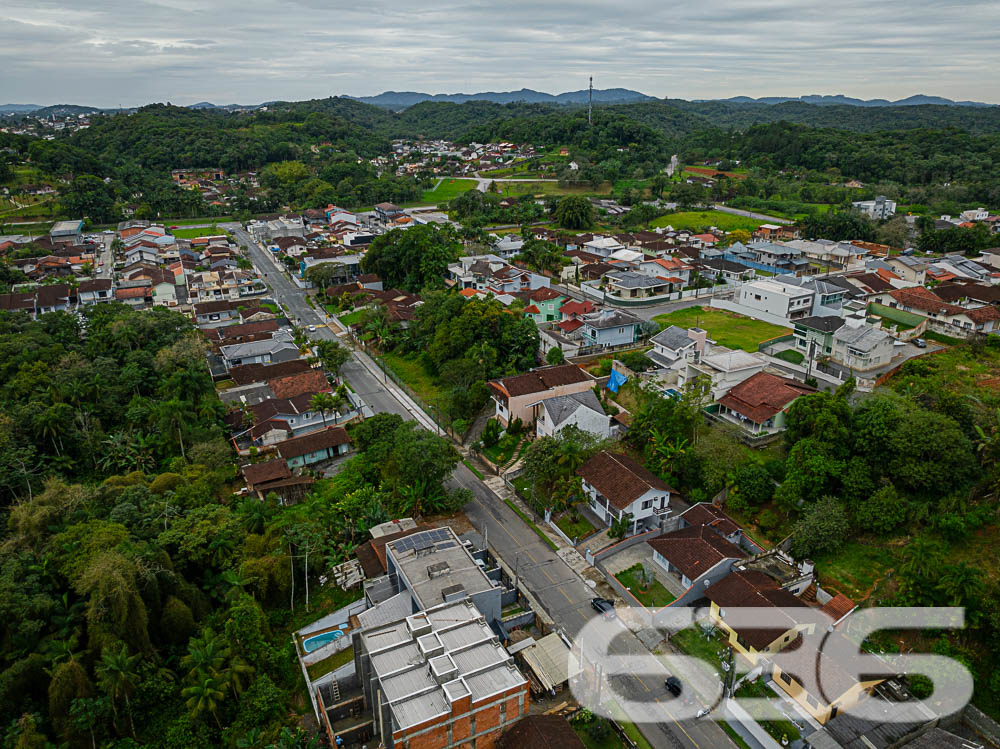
(560,590)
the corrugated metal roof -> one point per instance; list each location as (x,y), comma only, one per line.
(551,661)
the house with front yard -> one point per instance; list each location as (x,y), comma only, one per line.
(942,317)
(816,333)
(315,447)
(860,347)
(627,284)
(620,490)
(775,300)
(667,267)
(582,410)
(610,327)
(520,396)
(276,349)
(718,268)
(758,404)
(96,290)
(697,554)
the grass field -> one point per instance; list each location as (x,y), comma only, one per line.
(698,220)
(655,595)
(551,188)
(856,567)
(503,450)
(350,319)
(791,356)
(728,329)
(448,189)
(412,372)
(199,232)
(574,527)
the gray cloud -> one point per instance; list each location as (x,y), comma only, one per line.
(128,52)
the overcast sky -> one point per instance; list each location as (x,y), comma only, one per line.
(131,52)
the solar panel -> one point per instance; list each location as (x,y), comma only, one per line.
(446,545)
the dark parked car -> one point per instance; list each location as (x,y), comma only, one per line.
(920,343)
(603,606)
(673,685)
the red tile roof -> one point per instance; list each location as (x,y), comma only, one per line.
(763,395)
(751,588)
(574,307)
(245,374)
(313,442)
(705,513)
(310,381)
(539,380)
(620,479)
(568,326)
(838,607)
(695,550)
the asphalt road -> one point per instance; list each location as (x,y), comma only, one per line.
(564,595)
(566,599)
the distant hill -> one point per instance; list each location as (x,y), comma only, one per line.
(828,100)
(18,108)
(64,110)
(398,100)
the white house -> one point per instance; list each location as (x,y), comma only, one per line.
(583,410)
(722,370)
(672,346)
(878,209)
(618,489)
(776,299)
(862,347)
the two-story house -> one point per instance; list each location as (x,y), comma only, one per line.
(543,305)
(861,347)
(610,327)
(582,410)
(759,403)
(720,370)
(96,290)
(673,346)
(520,396)
(315,447)
(620,490)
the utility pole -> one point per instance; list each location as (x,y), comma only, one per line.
(590,102)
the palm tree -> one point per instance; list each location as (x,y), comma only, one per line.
(205,696)
(117,676)
(960,583)
(206,654)
(323,402)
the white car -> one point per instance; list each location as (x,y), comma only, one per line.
(312,328)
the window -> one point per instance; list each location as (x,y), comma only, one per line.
(647,504)
(785,678)
(812,703)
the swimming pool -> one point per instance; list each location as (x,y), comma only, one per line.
(319,641)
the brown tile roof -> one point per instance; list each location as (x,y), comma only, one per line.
(310,381)
(576,307)
(246,374)
(313,442)
(568,326)
(750,588)
(540,732)
(544,294)
(540,380)
(227,332)
(97,284)
(136,292)
(620,479)
(705,513)
(270,470)
(838,607)
(695,550)
(763,395)
(211,308)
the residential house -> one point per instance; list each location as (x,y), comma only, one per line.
(575,309)
(507,246)
(768,256)
(276,349)
(66,232)
(962,267)
(247,374)
(718,268)
(315,447)
(387,212)
(673,345)
(54,298)
(135,294)
(861,347)
(607,328)
(582,410)
(602,246)
(633,285)
(520,396)
(97,290)
(942,317)
(878,209)
(908,268)
(697,554)
(294,384)
(217,311)
(759,403)
(274,476)
(544,305)
(775,301)
(596,271)
(620,490)
(542,731)
(288,416)
(719,370)
(814,335)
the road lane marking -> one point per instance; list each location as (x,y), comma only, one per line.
(678,723)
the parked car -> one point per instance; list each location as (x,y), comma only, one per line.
(920,343)
(673,685)
(312,328)
(603,606)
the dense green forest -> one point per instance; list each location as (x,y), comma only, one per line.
(142,602)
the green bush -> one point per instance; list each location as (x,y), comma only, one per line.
(768,520)
(491,433)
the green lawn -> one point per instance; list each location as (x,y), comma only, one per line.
(855,567)
(698,220)
(475,471)
(655,596)
(692,641)
(272,308)
(574,527)
(770,718)
(503,450)
(335,661)
(947,340)
(727,328)
(448,189)
(199,232)
(412,372)
(609,741)
(791,356)
(352,318)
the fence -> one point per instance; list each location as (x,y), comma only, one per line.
(594,557)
